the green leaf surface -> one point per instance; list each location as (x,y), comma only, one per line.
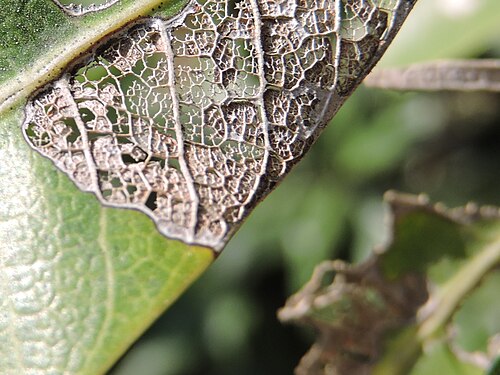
(39,39)
(79,282)
(439,359)
(495,368)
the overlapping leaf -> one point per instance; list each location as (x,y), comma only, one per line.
(380,316)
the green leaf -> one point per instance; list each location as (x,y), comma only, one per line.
(81,281)
(380,316)
(39,40)
(495,368)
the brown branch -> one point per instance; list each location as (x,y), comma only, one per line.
(457,75)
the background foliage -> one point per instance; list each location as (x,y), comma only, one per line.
(330,206)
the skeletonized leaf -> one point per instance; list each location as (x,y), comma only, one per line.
(191,120)
(195,119)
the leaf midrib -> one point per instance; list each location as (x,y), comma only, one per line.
(52,64)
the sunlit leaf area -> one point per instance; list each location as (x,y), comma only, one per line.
(330,206)
(81,279)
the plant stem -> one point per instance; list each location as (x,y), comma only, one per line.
(456,289)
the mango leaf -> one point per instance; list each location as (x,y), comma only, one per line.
(396,312)
(79,282)
(189,113)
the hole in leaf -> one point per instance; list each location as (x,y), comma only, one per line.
(151,201)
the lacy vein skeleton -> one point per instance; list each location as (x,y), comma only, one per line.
(194,120)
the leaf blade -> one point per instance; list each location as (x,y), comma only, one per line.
(24,69)
(56,268)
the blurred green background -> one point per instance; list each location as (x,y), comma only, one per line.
(330,206)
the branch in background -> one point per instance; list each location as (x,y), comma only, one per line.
(459,75)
